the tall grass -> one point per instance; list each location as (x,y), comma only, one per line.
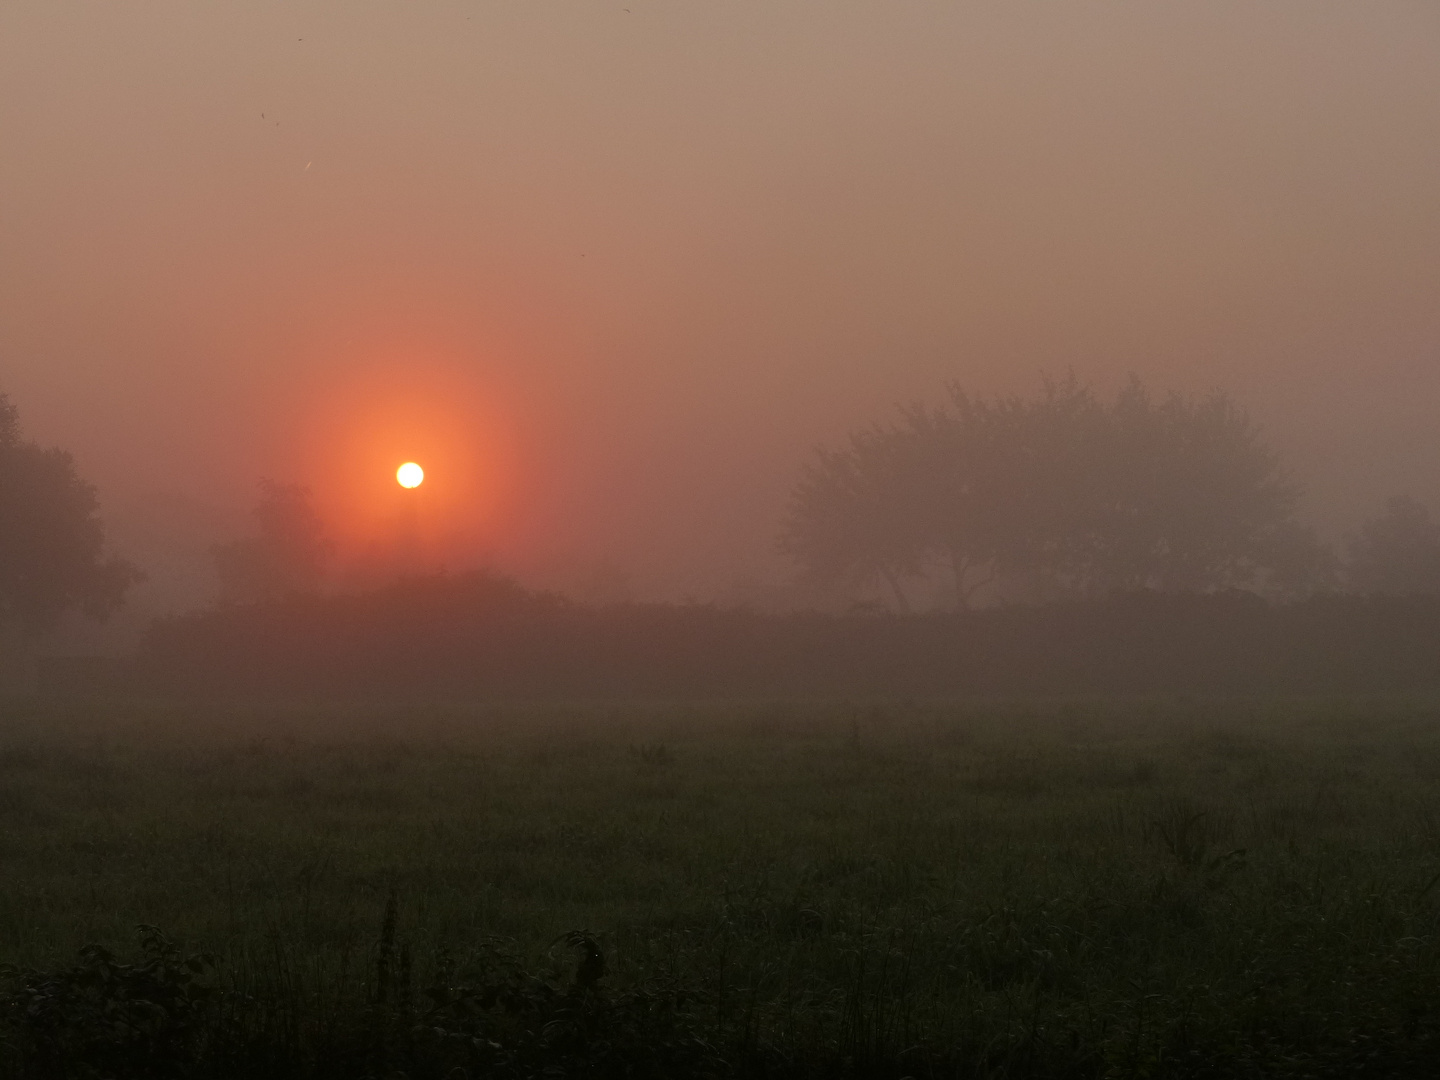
(1065,889)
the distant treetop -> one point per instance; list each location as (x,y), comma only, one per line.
(290,553)
(1398,552)
(1058,494)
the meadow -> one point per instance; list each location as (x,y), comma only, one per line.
(1134,888)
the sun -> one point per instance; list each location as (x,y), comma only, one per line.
(410,475)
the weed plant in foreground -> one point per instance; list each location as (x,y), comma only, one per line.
(1084,889)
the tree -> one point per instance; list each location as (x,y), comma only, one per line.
(970,488)
(1091,496)
(845,525)
(291,553)
(1187,496)
(1397,552)
(1010,483)
(52,542)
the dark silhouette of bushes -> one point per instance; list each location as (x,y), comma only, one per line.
(484,636)
(170,1014)
(100,1017)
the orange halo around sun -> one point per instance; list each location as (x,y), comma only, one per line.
(410,475)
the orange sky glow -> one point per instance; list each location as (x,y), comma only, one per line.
(351,438)
(611,273)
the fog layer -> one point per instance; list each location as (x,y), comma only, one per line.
(610,272)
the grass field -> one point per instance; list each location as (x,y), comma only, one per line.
(1065,889)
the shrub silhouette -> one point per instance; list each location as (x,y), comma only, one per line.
(165,1014)
(102,1017)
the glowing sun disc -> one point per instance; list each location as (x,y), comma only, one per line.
(410,475)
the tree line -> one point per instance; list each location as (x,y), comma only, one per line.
(483,637)
(1067,495)
(1063,494)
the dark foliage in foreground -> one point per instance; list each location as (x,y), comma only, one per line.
(102,1017)
(929,890)
(484,636)
(169,1014)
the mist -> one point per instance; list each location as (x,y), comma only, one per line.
(927,563)
(612,272)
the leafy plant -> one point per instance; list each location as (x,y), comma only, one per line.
(102,1017)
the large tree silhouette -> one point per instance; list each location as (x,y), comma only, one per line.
(52,542)
(1087,495)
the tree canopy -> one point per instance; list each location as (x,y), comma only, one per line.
(52,542)
(1077,494)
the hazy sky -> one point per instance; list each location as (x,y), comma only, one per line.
(611,270)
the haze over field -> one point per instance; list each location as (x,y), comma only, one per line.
(610,272)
